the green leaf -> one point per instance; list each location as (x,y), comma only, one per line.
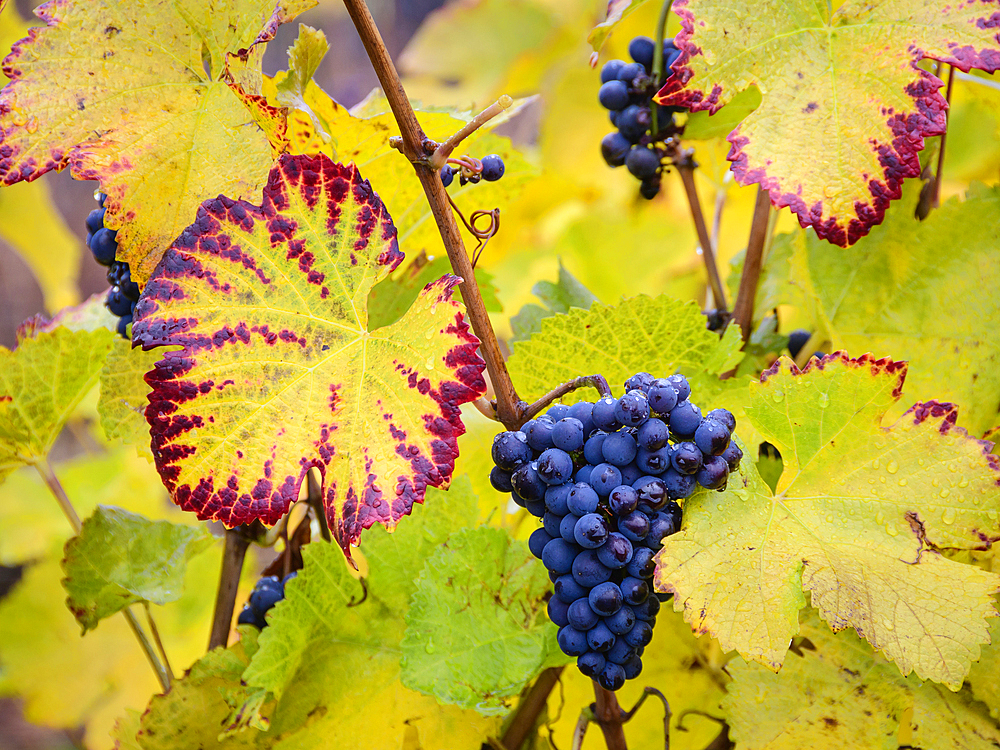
(556,297)
(160,138)
(304,57)
(659,335)
(914,290)
(474,636)
(41,381)
(124,394)
(279,370)
(835,693)
(983,677)
(392,297)
(858,516)
(701,126)
(832,145)
(121,558)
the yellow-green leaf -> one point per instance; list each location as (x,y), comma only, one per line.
(121,558)
(279,371)
(984,677)
(41,382)
(844,107)
(834,693)
(617,10)
(130,95)
(859,513)
(124,393)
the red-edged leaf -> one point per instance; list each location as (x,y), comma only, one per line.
(844,108)
(279,372)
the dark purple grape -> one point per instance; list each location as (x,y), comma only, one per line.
(634,526)
(582,475)
(584,411)
(724,416)
(605,478)
(527,483)
(622,500)
(630,473)
(537,541)
(620,652)
(582,499)
(619,449)
(95,220)
(630,71)
(634,590)
(590,531)
(593,449)
(632,409)
(567,434)
(662,398)
(493,167)
(653,434)
(606,598)
(554,466)
(556,499)
(556,412)
(621,621)
(567,526)
(796,340)
(642,564)
(640,634)
(558,610)
(588,570)
(539,432)
(500,480)
(612,677)
(568,590)
(117,303)
(633,122)
(611,69)
(104,246)
(581,615)
(681,385)
(558,556)
(686,458)
(642,162)
(647,610)
(599,638)
(684,420)
(603,415)
(679,486)
(447,174)
(123,323)
(510,450)
(651,492)
(632,668)
(263,599)
(641,50)
(733,456)
(615,552)
(613,95)
(649,188)
(713,475)
(572,641)
(639,382)
(591,664)
(711,437)
(250,616)
(550,522)
(653,462)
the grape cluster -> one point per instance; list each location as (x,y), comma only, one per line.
(267,592)
(605,479)
(490,168)
(103,243)
(798,339)
(627,91)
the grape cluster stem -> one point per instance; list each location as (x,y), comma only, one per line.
(685,168)
(163,674)
(752,264)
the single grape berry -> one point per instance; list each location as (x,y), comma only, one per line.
(723,416)
(590,531)
(633,122)
(558,612)
(603,415)
(581,615)
(556,499)
(647,610)
(527,484)
(447,175)
(654,462)
(616,552)
(117,302)
(796,340)
(611,677)
(588,570)
(713,475)
(681,385)
(250,616)
(537,541)
(605,478)
(613,95)
(493,167)
(611,69)
(567,434)
(614,148)
(104,246)
(582,499)
(642,162)
(632,409)
(634,526)
(539,433)
(583,411)
(733,455)
(686,458)
(653,434)
(622,500)
(619,449)
(500,480)
(510,450)
(621,621)
(684,420)
(95,220)
(572,641)
(640,635)
(630,71)
(567,589)
(634,590)
(642,564)
(641,50)
(651,491)
(559,556)
(711,437)
(679,486)
(662,398)
(649,188)
(591,663)
(554,466)
(600,638)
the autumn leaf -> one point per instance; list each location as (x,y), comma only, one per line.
(858,517)
(279,371)
(845,108)
(129,94)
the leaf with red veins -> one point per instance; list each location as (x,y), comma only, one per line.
(844,108)
(130,94)
(279,371)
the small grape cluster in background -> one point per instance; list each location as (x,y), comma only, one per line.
(605,479)
(103,243)
(627,91)
(267,592)
(489,168)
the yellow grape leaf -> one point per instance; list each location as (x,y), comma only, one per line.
(834,693)
(279,372)
(304,57)
(845,108)
(859,514)
(41,381)
(616,12)
(124,393)
(130,95)
(984,677)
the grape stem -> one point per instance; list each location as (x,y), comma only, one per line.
(580,730)
(233,554)
(608,715)
(417,148)
(752,263)
(528,709)
(442,152)
(661,30)
(936,200)
(584,381)
(55,487)
(685,168)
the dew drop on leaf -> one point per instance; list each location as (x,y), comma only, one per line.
(892,467)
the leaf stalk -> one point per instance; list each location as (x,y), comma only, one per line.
(685,168)
(746,297)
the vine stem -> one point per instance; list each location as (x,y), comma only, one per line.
(609,715)
(233,555)
(685,168)
(415,148)
(55,487)
(936,201)
(442,152)
(529,707)
(661,30)
(752,263)
(597,382)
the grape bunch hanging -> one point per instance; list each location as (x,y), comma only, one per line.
(627,91)
(103,244)
(606,478)
(267,592)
